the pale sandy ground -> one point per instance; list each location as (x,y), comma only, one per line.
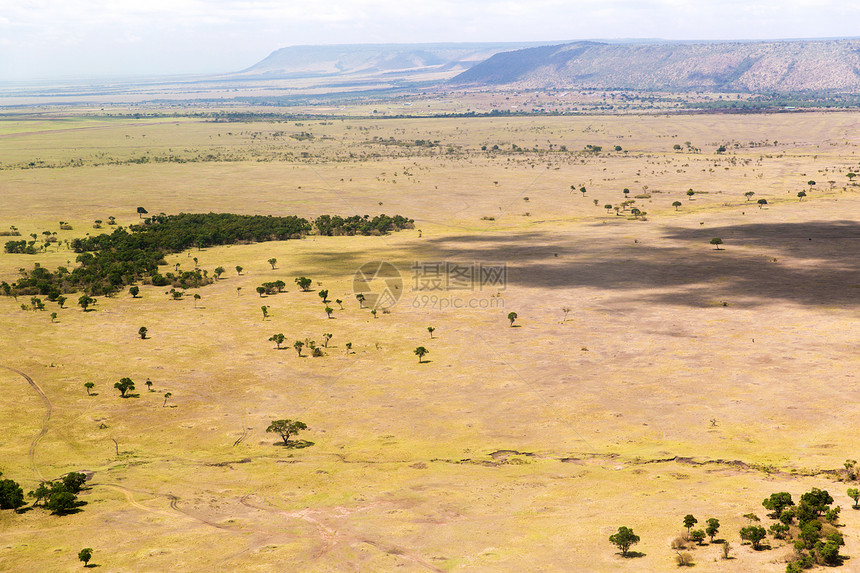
(595,409)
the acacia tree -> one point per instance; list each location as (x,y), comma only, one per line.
(141,212)
(218,272)
(689,522)
(286,428)
(430,329)
(166,396)
(761,203)
(124,385)
(420,352)
(624,539)
(277,339)
(716,241)
(134,290)
(88,386)
(298,344)
(326,338)
(304,283)
(360,298)
(273,261)
(142,332)
(777,502)
(239,269)
(713,528)
(265,310)
(749,195)
(85,302)
(512,316)
(329,310)
(854,493)
(676,204)
(323,295)
(754,534)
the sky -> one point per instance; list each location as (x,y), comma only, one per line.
(56,39)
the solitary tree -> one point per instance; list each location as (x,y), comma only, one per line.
(749,195)
(53,316)
(141,212)
(754,534)
(348,346)
(676,204)
(265,310)
(716,241)
(360,298)
(512,316)
(697,535)
(218,272)
(273,261)
(85,302)
(149,385)
(326,338)
(339,303)
(261,290)
(142,332)
(88,386)
(304,283)
(624,539)
(277,339)
(85,555)
(690,193)
(329,310)
(430,329)
(166,396)
(298,344)
(61,300)
(124,385)
(420,352)
(323,295)
(196,298)
(134,291)
(286,428)
(239,269)
(761,203)
(801,195)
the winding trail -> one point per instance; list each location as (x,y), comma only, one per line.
(49,408)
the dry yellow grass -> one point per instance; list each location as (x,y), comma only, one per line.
(401,474)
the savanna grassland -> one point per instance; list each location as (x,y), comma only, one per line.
(680,379)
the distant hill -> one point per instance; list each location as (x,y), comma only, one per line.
(761,67)
(346,61)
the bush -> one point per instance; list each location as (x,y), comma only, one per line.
(684,559)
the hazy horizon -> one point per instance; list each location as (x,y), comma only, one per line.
(56,40)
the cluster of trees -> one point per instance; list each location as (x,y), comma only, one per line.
(58,496)
(110,262)
(357,225)
(809,523)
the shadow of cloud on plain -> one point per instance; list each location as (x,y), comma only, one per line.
(823,271)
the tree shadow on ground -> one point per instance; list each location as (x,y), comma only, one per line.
(680,267)
(295,444)
(633,555)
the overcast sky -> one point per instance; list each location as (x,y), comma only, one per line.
(43,39)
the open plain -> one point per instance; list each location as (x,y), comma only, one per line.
(648,375)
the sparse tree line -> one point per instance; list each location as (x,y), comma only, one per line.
(810,526)
(110,262)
